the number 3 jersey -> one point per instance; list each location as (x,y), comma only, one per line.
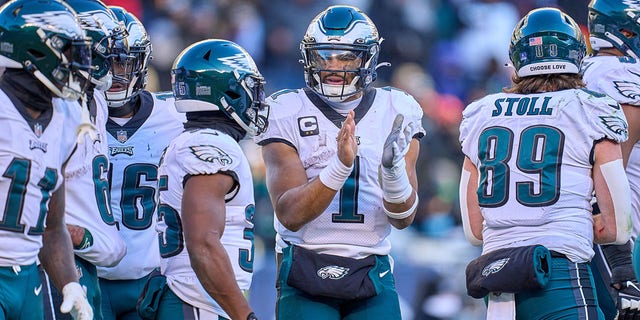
(204,152)
(534,156)
(32,155)
(354,225)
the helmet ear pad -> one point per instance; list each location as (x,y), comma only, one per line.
(341,28)
(547,41)
(615,24)
(219,75)
(46,39)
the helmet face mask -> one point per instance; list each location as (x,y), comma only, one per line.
(547,41)
(615,24)
(130,60)
(218,75)
(344,42)
(45,39)
(102,26)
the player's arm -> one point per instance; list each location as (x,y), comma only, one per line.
(56,254)
(613,223)
(469,206)
(410,205)
(203,219)
(632,113)
(102,245)
(398,175)
(295,199)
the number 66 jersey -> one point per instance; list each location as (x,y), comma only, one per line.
(534,156)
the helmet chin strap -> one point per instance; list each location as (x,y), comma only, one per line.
(67,93)
(234,115)
(336,92)
(119,98)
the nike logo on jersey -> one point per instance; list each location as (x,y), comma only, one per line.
(382,274)
(37,290)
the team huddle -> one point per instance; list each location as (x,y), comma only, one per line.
(121,203)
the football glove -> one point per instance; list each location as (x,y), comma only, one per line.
(629,301)
(619,259)
(75,302)
(393,175)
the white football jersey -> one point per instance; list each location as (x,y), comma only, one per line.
(198,152)
(32,156)
(619,78)
(134,152)
(354,225)
(534,156)
(87,187)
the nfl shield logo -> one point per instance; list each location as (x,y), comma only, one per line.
(121,135)
(37,129)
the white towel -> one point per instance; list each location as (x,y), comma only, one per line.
(501,306)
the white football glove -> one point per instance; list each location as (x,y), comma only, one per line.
(75,302)
(393,175)
(397,143)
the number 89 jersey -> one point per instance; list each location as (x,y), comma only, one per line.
(533,153)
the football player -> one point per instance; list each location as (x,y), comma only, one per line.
(89,219)
(44,50)
(534,155)
(141,125)
(340,159)
(613,69)
(206,208)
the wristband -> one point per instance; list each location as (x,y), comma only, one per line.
(395,184)
(401,215)
(87,241)
(252,316)
(335,174)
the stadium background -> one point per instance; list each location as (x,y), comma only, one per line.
(446,53)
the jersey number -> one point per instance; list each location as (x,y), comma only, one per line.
(349,198)
(171,240)
(101,186)
(539,153)
(19,171)
(134,216)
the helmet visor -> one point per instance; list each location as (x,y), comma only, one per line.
(331,59)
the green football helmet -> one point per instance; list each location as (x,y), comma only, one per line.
(45,38)
(130,62)
(607,21)
(104,29)
(215,74)
(546,41)
(347,34)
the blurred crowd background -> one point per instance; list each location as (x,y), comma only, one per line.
(446,53)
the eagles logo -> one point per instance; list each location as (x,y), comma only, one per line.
(56,21)
(93,20)
(332,272)
(628,89)
(209,153)
(615,124)
(633,4)
(239,62)
(494,267)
